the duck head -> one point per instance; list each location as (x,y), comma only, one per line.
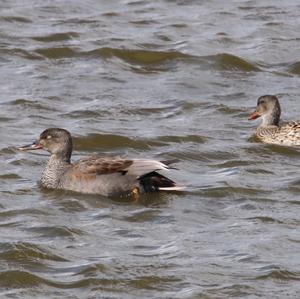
(268,108)
(54,140)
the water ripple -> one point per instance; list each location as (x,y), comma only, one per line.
(94,142)
(277,273)
(21,252)
(56,37)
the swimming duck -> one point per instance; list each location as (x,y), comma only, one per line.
(97,174)
(269,131)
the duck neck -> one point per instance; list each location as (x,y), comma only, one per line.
(272,118)
(55,167)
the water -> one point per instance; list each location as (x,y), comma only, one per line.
(156,79)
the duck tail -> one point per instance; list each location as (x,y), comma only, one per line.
(169,162)
(155,181)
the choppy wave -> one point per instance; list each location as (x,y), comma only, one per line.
(278,273)
(295,68)
(56,37)
(110,141)
(137,57)
(57,53)
(19,252)
(17,19)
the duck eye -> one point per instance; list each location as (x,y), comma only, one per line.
(49,137)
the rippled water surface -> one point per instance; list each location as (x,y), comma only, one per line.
(155,79)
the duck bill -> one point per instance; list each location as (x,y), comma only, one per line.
(29,147)
(254,115)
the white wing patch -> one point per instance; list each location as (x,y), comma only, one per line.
(175,188)
(140,167)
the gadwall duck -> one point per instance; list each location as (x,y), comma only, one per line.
(269,131)
(103,175)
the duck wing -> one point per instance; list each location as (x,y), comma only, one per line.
(102,165)
(290,133)
(292,128)
(115,175)
(267,134)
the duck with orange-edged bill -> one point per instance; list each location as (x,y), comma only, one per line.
(270,129)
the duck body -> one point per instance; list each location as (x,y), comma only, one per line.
(270,131)
(103,175)
(287,134)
